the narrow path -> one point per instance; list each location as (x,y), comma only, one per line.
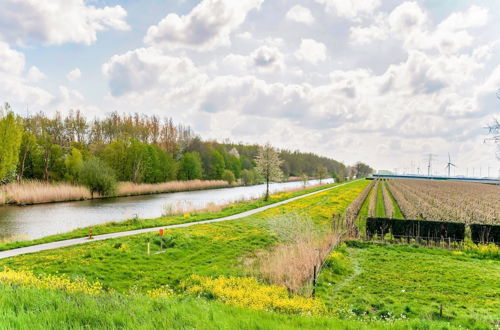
(83,240)
(356,267)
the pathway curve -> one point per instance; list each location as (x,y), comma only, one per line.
(83,240)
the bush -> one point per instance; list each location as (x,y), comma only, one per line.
(247,177)
(98,177)
(228,176)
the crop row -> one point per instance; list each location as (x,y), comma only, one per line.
(447,201)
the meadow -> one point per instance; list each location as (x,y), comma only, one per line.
(369,280)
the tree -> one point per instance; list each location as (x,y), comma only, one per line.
(28,144)
(73,163)
(98,177)
(10,142)
(362,170)
(248,177)
(190,166)
(304,178)
(321,172)
(228,176)
(216,166)
(268,165)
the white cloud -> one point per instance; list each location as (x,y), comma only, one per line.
(140,70)
(474,17)
(74,74)
(208,25)
(14,86)
(350,9)
(300,14)
(57,21)
(311,51)
(35,75)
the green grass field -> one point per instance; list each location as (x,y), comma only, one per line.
(365,280)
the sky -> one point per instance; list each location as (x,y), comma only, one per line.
(380,81)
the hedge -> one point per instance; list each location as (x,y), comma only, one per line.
(485,233)
(430,230)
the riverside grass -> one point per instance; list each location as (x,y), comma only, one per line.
(369,280)
(38,192)
(135,223)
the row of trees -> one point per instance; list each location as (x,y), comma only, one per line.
(140,149)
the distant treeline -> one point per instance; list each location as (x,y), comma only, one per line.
(137,148)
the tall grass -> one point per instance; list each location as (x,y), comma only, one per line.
(291,263)
(33,192)
(36,192)
(130,188)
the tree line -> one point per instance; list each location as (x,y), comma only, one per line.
(136,148)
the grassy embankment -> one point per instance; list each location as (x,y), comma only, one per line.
(133,224)
(37,192)
(209,249)
(365,280)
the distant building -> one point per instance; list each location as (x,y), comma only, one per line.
(234,152)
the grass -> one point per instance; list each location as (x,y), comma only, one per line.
(48,309)
(380,208)
(137,223)
(368,280)
(397,211)
(209,250)
(38,192)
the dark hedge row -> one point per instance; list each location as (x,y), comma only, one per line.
(485,233)
(429,230)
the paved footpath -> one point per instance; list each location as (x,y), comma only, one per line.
(83,240)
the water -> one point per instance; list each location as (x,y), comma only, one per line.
(36,221)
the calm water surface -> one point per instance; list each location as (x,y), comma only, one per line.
(47,219)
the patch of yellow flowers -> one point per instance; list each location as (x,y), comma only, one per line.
(28,279)
(483,249)
(248,292)
(161,292)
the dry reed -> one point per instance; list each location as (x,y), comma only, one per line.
(291,263)
(130,188)
(33,192)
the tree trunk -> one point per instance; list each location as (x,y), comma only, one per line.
(267,189)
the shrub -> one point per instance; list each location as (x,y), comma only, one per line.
(228,176)
(98,177)
(248,177)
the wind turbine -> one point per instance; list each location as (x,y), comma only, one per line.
(449,165)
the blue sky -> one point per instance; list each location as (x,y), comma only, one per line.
(382,81)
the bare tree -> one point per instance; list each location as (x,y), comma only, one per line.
(268,165)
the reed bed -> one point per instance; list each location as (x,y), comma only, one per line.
(35,192)
(291,263)
(130,188)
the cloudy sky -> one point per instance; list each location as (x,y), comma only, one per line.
(381,81)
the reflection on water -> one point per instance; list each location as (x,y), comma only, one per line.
(47,219)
